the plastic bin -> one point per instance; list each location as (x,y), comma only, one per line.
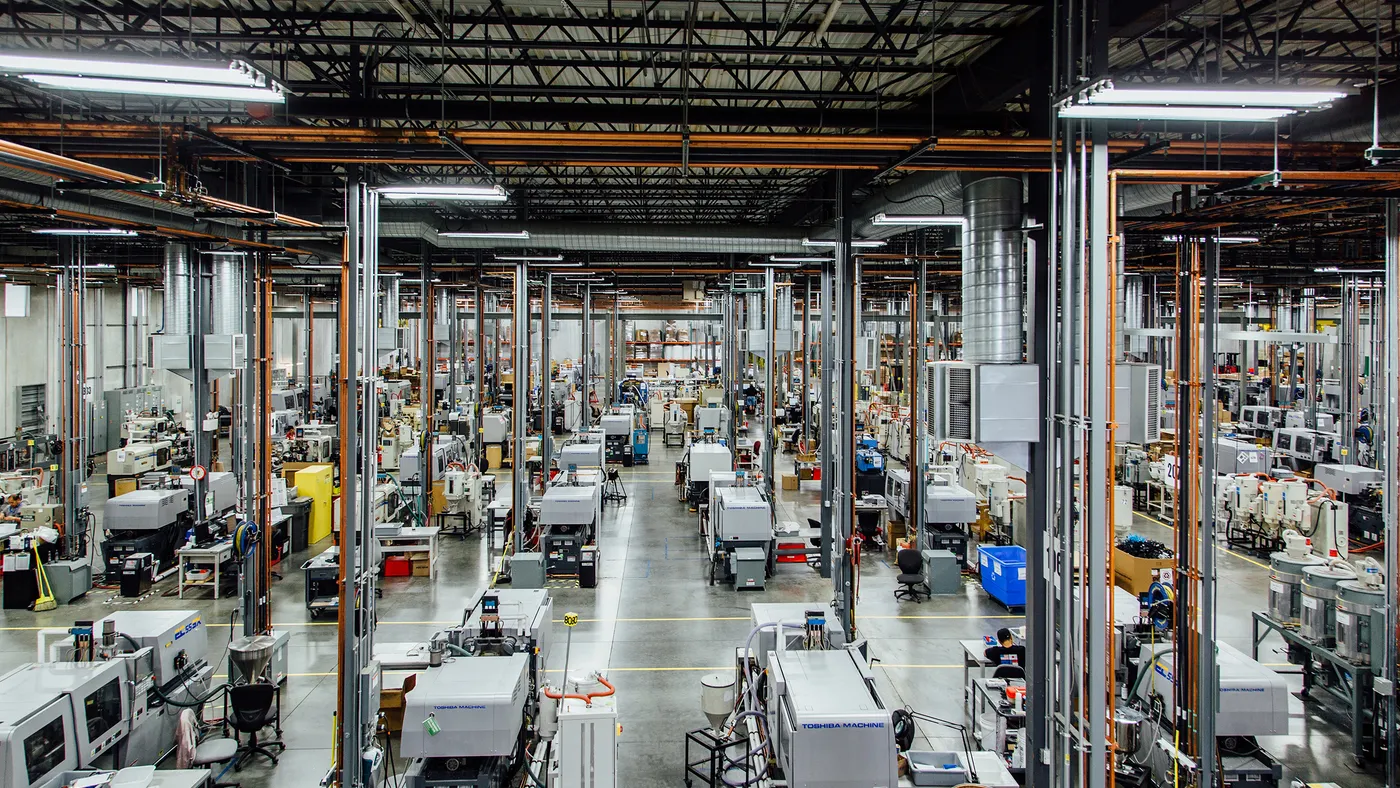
(1003,572)
(927,767)
(397,566)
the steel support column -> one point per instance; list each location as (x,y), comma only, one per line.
(1386,431)
(359,468)
(587,356)
(1207,692)
(843,453)
(827,431)
(1097,494)
(806,354)
(70,295)
(520,402)
(546,375)
(427,378)
(770,392)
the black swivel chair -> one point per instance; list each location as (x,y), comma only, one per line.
(913,585)
(253,707)
(1009,672)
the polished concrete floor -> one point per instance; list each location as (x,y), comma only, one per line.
(657,626)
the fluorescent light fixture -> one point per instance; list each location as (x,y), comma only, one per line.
(1224,239)
(428,191)
(526,258)
(775,265)
(522,235)
(1253,96)
(782,259)
(100,267)
(223,252)
(899,278)
(857,244)
(311,267)
(84,231)
(585,279)
(271,94)
(1152,112)
(234,73)
(306,286)
(1327,269)
(943,220)
(574,264)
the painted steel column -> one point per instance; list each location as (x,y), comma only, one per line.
(843,454)
(70,295)
(587,356)
(310,354)
(618,350)
(1096,493)
(827,431)
(918,410)
(201,304)
(1207,686)
(1385,433)
(770,392)
(806,360)
(546,375)
(520,402)
(427,377)
(1063,747)
(349,615)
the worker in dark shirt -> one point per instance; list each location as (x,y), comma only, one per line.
(1006,652)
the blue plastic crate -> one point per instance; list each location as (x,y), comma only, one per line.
(1003,571)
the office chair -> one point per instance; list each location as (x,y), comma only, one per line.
(253,707)
(911,576)
(1009,672)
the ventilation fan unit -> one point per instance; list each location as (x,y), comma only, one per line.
(983,403)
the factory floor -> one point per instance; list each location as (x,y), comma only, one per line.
(657,626)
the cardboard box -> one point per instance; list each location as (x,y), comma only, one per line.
(493,457)
(790,481)
(421,566)
(439,503)
(124,486)
(1136,575)
(391,703)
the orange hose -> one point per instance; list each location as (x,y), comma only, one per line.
(588,698)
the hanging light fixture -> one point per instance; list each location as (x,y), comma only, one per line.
(1107,100)
(431,191)
(231,81)
(523,235)
(857,244)
(943,220)
(83,232)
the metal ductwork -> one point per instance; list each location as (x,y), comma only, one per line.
(179,289)
(228,283)
(583,237)
(993,265)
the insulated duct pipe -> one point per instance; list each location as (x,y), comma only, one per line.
(229,287)
(992,270)
(175,301)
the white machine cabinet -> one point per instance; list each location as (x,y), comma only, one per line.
(742,516)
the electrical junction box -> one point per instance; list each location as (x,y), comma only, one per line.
(983,403)
(1138,403)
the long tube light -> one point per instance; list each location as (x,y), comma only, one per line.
(84,231)
(1224,239)
(1153,112)
(145,87)
(1254,96)
(234,73)
(523,235)
(527,258)
(425,191)
(856,244)
(788,259)
(945,220)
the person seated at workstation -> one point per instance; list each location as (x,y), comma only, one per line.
(10,512)
(1007,654)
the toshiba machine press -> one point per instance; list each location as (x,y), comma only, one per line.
(484,714)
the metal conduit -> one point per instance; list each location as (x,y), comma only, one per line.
(992,270)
